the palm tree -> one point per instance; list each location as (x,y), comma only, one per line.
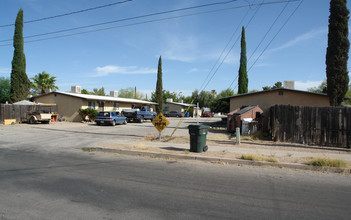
(43,81)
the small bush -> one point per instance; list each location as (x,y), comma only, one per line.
(326,162)
(91,113)
(259,157)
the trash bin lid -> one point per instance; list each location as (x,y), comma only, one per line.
(198,127)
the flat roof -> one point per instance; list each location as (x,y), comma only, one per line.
(99,98)
(273,90)
(181,104)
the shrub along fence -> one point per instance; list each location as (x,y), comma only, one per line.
(19,112)
(323,126)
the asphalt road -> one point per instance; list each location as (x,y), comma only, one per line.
(44,175)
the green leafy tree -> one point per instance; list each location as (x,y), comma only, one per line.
(204,98)
(222,106)
(43,81)
(131,93)
(126,93)
(337,52)
(5,88)
(264,88)
(322,88)
(159,89)
(243,80)
(195,96)
(97,91)
(187,99)
(275,86)
(166,95)
(84,91)
(20,84)
(170,95)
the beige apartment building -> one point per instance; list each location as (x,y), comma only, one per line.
(68,103)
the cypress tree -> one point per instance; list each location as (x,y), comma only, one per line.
(159,95)
(20,84)
(337,52)
(243,79)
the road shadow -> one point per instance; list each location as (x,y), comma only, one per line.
(173,148)
(86,132)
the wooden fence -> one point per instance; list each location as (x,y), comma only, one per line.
(323,126)
(19,112)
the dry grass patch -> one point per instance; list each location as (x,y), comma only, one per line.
(327,162)
(88,149)
(259,157)
(165,138)
(140,147)
(255,136)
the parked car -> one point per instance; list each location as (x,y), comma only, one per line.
(173,114)
(139,114)
(111,118)
(207,114)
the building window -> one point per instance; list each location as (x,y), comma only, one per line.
(281,93)
(165,108)
(101,106)
(116,106)
(91,105)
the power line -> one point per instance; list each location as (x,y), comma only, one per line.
(260,4)
(143,22)
(69,13)
(225,48)
(276,34)
(126,19)
(120,26)
(270,28)
(281,12)
(287,20)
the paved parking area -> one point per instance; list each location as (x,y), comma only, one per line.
(77,135)
(72,137)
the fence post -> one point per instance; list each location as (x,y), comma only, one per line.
(237,132)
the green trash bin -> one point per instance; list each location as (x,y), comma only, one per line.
(198,138)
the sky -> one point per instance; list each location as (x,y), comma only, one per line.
(198,40)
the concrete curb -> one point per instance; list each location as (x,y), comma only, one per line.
(221,160)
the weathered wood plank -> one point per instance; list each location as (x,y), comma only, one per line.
(326,126)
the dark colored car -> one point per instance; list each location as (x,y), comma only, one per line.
(111,118)
(173,114)
(207,114)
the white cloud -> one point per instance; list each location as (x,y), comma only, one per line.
(231,58)
(172,55)
(306,85)
(304,37)
(180,48)
(191,48)
(193,70)
(110,69)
